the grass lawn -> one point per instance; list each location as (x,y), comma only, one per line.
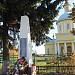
(40,63)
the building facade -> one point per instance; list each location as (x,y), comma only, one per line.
(65,40)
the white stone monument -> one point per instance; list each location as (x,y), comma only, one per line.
(25,40)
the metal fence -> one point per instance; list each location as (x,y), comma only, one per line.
(56,69)
(12,58)
(45,69)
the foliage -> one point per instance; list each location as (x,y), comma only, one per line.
(41,14)
(62,60)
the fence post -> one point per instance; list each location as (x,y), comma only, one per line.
(1,59)
(38,69)
(46,68)
(12,59)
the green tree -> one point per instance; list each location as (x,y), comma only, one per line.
(41,15)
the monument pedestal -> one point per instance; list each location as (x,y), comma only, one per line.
(25,48)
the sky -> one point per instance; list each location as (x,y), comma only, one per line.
(41,49)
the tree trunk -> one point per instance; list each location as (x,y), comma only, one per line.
(5,63)
(5,69)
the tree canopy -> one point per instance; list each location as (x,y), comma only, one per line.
(41,15)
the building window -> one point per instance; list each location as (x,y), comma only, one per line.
(69,50)
(60,28)
(48,51)
(68,26)
(62,48)
(67,9)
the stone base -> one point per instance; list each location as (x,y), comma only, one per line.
(29,71)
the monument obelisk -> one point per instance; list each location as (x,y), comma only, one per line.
(25,48)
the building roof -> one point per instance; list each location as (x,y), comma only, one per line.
(64,16)
(67,12)
(52,40)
